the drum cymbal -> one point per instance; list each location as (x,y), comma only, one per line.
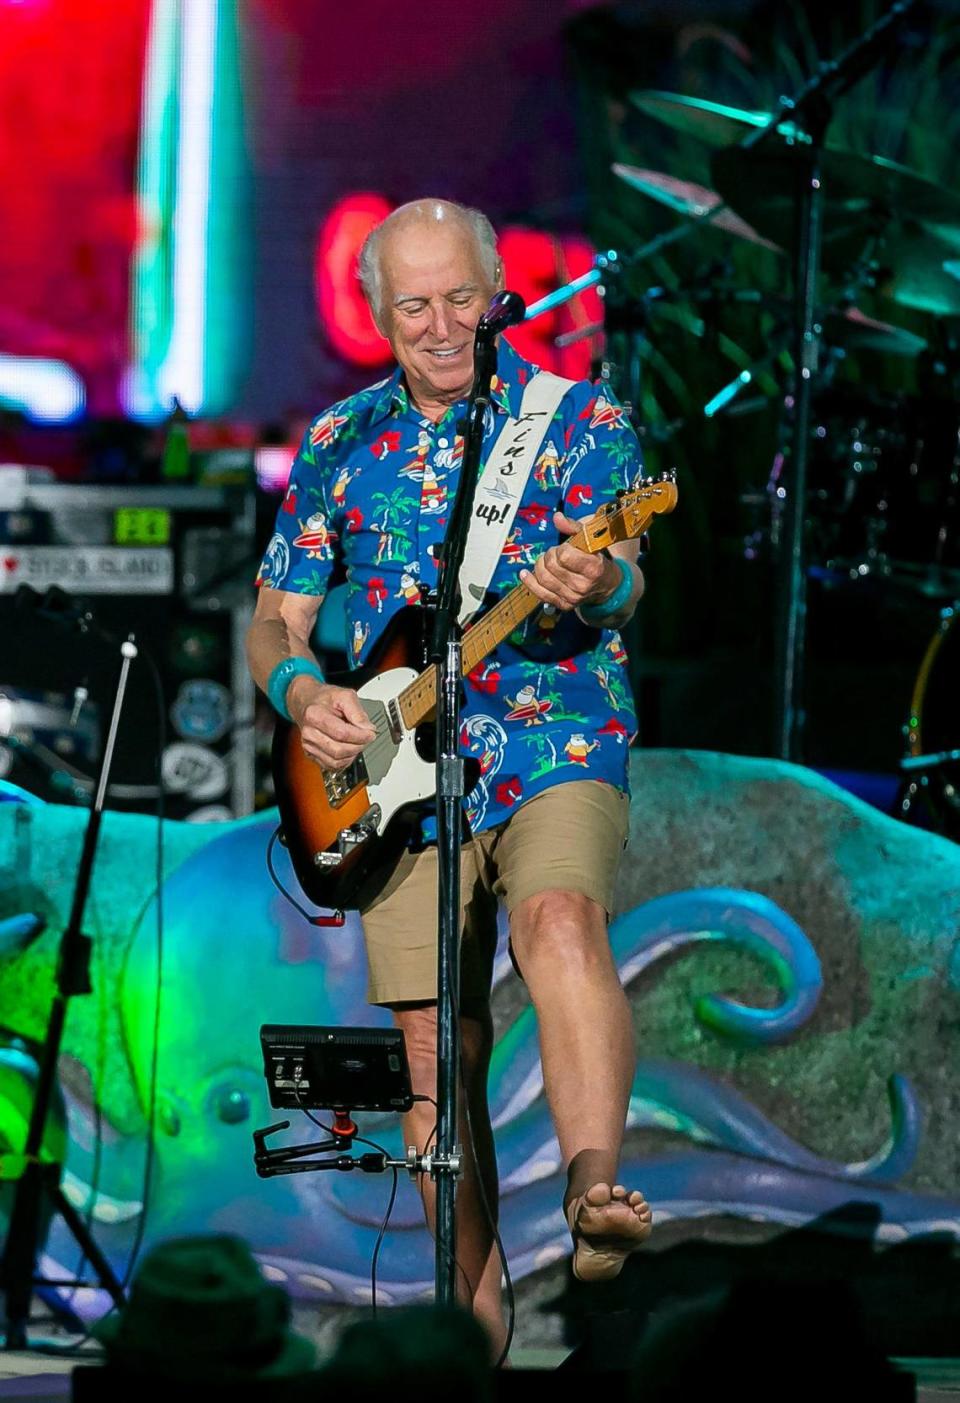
(855,331)
(919,276)
(687,198)
(864,197)
(713,123)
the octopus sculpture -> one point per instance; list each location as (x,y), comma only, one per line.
(168,1049)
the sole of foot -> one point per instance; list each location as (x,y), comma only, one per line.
(607,1225)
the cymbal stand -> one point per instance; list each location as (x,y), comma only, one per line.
(811,110)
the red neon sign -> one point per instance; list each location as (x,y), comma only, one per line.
(535,263)
(344,314)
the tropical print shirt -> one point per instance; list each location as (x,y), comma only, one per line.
(368,497)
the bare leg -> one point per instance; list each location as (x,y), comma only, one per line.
(586,1046)
(478,1275)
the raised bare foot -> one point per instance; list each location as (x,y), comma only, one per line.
(606,1225)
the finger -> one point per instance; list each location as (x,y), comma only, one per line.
(571,586)
(329,724)
(565,524)
(319,744)
(580,562)
(348,705)
(536,586)
(581,580)
(569,560)
(560,582)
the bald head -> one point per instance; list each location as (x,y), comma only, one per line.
(429,271)
(428,216)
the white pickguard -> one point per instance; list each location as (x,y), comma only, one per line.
(397,773)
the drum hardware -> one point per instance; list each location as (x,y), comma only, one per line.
(869,200)
(693,201)
(931,765)
(911,763)
(844,330)
(716,124)
(881,513)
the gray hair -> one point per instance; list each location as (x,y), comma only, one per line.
(369,270)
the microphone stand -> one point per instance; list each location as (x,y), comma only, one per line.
(38,1177)
(447,654)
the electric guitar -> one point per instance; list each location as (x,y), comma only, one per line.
(345,829)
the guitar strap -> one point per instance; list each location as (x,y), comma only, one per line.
(502,482)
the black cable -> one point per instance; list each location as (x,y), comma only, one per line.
(379,1243)
(279,885)
(390,1203)
(494,1228)
(455,1262)
(488,1211)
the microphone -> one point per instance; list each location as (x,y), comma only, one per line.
(506,309)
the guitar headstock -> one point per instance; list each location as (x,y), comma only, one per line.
(630,514)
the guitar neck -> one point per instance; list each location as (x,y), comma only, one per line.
(624,520)
(418,701)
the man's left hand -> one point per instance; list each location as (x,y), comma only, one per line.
(566,577)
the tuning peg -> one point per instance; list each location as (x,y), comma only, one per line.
(670,475)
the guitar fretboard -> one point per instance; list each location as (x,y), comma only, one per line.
(419,699)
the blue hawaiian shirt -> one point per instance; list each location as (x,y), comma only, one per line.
(368,496)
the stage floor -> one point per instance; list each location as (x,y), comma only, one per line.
(44,1379)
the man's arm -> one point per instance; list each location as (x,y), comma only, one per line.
(334,727)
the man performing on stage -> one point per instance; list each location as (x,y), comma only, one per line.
(548,715)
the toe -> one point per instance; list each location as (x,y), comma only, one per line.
(619,1191)
(597,1195)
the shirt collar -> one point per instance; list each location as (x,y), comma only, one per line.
(509,383)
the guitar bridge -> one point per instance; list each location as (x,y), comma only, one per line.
(349,839)
(340,784)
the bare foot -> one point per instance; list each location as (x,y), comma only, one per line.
(606,1225)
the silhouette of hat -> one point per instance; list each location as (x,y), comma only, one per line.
(200,1308)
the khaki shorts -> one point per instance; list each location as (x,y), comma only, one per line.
(569,838)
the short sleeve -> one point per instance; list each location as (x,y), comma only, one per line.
(301,553)
(603,454)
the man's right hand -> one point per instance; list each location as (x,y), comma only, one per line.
(334,727)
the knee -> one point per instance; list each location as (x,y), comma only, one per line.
(419,1028)
(563,931)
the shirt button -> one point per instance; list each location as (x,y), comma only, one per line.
(441,443)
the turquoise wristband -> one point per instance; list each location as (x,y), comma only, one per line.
(282,675)
(598,614)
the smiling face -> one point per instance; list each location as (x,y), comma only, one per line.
(434,290)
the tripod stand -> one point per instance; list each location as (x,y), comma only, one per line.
(39,1180)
